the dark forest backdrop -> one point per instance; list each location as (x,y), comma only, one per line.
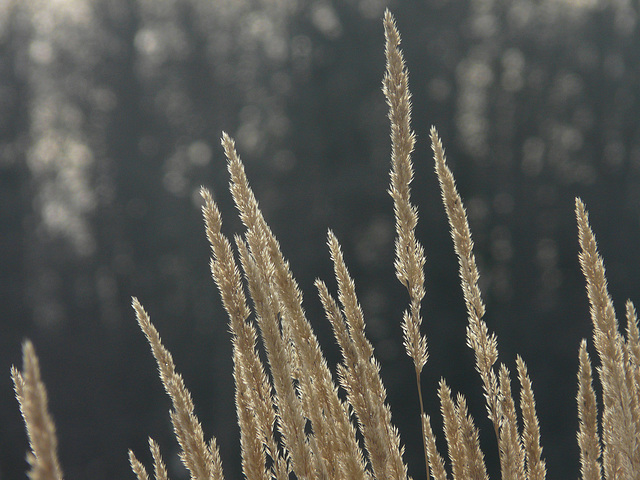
(110,117)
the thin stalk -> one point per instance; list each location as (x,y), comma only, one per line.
(424,437)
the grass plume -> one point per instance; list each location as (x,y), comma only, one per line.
(32,397)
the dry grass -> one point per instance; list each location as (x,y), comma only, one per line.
(32,397)
(293,420)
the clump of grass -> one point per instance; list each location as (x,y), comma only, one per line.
(292,419)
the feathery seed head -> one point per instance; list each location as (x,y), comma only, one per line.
(32,397)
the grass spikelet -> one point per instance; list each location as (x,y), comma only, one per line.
(138,467)
(511,454)
(409,262)
(620,428)
(31,394)
(410,259)
(452,430)
(484,344)
(201,459)
(361,379)
(475,468)
(254,404)
(159,468)
(435,460)
(536,469)
(588,438)
(260,269)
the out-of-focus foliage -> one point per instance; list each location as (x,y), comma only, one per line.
(111,112)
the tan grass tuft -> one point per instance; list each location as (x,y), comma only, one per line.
(138,467)
(32,397)
(410,259)
(254,403)
(536,469)
(436,462)
(159,467)
(500,404)
(511,453)
(201,459)
(265,270)
(475,467)
(452,433)
(620,426)
(360,377)
(484,344)
(332,449)
(588,438)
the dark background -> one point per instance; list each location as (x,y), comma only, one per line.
(110,117)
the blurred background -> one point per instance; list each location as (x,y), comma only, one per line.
(110,117)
